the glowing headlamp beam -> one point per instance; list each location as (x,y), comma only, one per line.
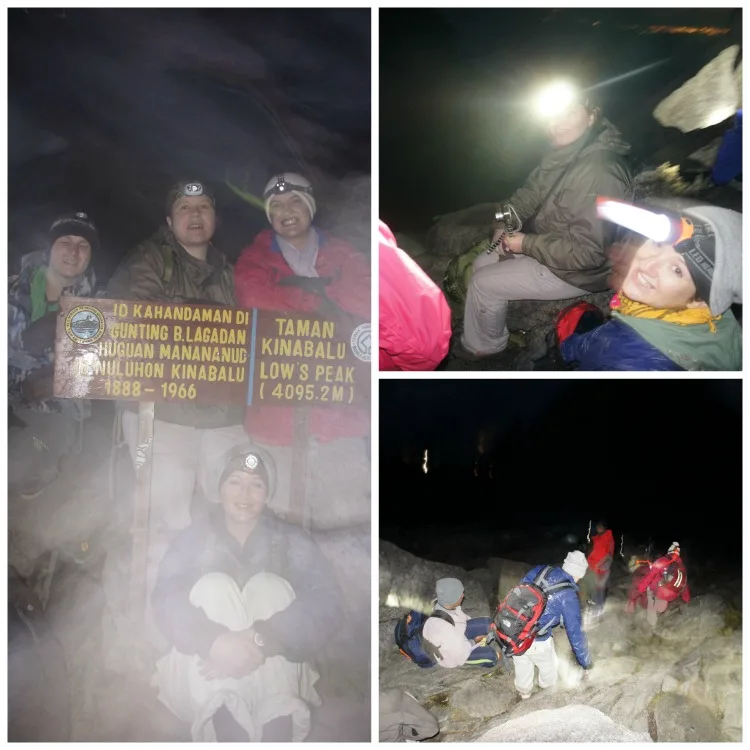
(656,227)
(555,99)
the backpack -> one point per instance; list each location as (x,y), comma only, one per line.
(459,271)
(673,576)
(411,644)
(517,617)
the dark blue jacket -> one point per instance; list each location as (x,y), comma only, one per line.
(563,608)
(728,163)
(614,346)
(297,632)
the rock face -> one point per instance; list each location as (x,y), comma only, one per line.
(710,97)
(678,682)
(569,724)
(407,582)
(456,232)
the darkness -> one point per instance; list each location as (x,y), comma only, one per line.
(454,86)
(658,458)
(107,108)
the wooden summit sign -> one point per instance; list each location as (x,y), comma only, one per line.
(208,354)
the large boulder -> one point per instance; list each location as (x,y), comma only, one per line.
(711,96)
(680,719)
(408,582)
(456,232)
(568,724)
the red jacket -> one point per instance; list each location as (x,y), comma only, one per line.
(600,557)
(668,591)
(415,320)
(256,278)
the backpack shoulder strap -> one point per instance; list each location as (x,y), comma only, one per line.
(540,581)
(168,256)
(442,616)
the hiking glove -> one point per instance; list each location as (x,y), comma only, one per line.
(312,285)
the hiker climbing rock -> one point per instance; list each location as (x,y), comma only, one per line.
(665,582)
(46,430)
(545,598)
(679,271)
(600,558)
(246,602)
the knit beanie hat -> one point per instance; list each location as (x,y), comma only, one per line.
(576,564)
(289,182)
(190,190)
(714,256)
(77,225)
(246,460)
(448,591)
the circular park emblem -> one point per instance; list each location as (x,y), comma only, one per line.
(84,324)
(361,342)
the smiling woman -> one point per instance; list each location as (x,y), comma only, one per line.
(231,593)
(678,273)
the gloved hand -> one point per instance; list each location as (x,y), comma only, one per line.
(312,285)
(40,335)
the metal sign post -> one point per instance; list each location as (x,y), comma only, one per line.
(142,506)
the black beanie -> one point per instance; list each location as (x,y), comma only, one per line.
(247,461)
(77,225)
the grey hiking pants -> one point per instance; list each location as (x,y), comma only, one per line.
(495,282)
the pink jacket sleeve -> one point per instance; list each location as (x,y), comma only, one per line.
(415,320)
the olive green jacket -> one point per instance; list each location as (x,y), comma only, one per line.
(567,236)
(160,269)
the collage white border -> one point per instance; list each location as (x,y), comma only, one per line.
(374,6)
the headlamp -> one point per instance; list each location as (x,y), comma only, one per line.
(282,187)
(663,226)
(555,99)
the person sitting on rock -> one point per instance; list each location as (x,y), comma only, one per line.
(600,558)
(672,310)
(44,430)
(561,252)
(563,608)
(415,320)
(246,601)
(295,267)
(665,581)
(464,641)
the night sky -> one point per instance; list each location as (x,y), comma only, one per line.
(107,108)
(640,452)
(454,85)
